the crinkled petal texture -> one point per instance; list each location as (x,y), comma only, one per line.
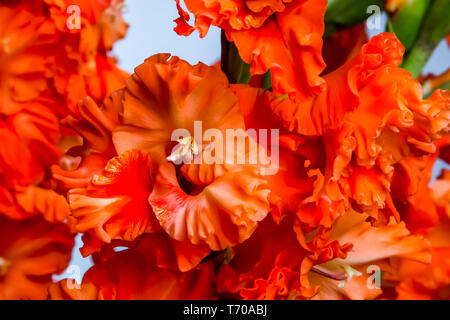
(95,125)
(25,57)
(202,206)
(431,281)
(115,204)
(290,183)
(371,117)
(223,214)
(29,124)
(282,36)
(42,53)
(31,251)
(40,60)
(142,272)
(30,138)
(273,265)
(376,90)
(105,15)
(373,248)
(167,95)
(25,202)
(107,193)
(223,201)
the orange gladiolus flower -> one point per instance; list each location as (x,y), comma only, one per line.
(273,265)
(282,36)
(133,132)
(36,51)
(373,249)
(371,117)
(164,175)
(31,251)
(427,213)
(24,63)
(83,67)
(428,281)
(350,87)
(146,271)
(37,55)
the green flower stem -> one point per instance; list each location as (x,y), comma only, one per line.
(406,22)
(236,70)
(434,28)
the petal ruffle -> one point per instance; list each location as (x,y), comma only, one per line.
(223,214)
(31,250)
(115,205)
(136,274)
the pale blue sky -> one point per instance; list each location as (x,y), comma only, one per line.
(151,32)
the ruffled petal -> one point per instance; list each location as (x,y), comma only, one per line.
(273,265)
(114,205)
(224,213)
(377,243)
(268,36)
(136,274)
(169,94)
(31,250)
(24,57)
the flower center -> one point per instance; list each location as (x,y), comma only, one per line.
(4,264)
(337,269)
(185,151)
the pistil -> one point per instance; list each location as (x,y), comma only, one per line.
(185,151)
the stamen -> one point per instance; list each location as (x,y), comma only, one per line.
(337,269)
(186,150)
(328,273)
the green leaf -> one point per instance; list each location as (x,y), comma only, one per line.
(349,12)
(435,27)
(267,81)
(236,70)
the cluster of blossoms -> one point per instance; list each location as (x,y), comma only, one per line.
(351,211)
(45,69)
